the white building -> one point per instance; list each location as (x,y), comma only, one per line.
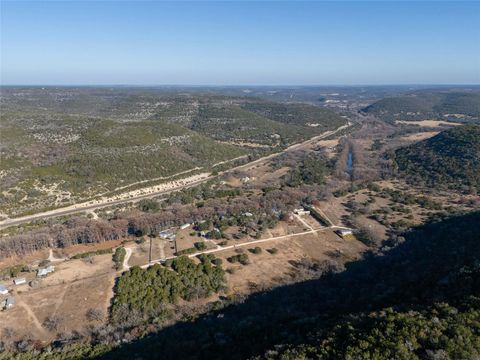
(45,271)
(42,272)
(185,226)
(301,211)
(19,281)
(8,302)
(3,290)
(165,234)
(344,232)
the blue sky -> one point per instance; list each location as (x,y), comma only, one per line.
(236,43)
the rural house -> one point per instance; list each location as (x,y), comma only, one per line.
(3,290)
(19,281)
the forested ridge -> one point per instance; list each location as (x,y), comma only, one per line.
(450,159)
(423,105)
(66,145)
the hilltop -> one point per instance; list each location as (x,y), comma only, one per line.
(420,105)
(451,159)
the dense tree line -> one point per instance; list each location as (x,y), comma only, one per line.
(450,159)
(437,332)
(145,290)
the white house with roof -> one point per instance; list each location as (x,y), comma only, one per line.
(301,211)
(8,302)
(45,271)
(165,234)
(344,232)
(19,281)
(3,290)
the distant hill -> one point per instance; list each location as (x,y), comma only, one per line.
(61,145)
(451,159)
(421,105)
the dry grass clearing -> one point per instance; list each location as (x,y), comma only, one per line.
(266,270)
(430,123)
(75,287)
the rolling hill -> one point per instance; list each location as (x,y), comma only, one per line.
(450,159)
(421,105)
(63,145)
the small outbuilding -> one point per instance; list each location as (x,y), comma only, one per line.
(19,281)
(344,232)
(165,234)
(301,211)
(45,271)
(8,302)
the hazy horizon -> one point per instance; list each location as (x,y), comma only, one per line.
(279,86)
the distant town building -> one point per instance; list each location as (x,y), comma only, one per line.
(247,214)
(3,290)
(19,281)
(185,226)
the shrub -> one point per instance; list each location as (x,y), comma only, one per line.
(186,251)
(149,205)
(200,245)
(95,314)
(118,257)
(256,250)
(241,258)
(217,262)
(91,253)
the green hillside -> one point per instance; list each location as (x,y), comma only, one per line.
(449,159)
(297,114)
(62,145)
(455,106)
(232,123)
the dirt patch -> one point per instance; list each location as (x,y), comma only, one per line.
(419,136)
(266,270)
(74,288)
(140,252)
(430,123)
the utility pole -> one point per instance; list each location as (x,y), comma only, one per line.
(150,251)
